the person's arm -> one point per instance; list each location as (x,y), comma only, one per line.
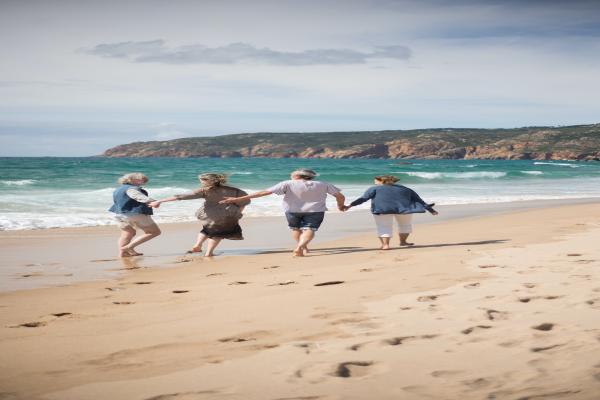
(140,197)
(417,199)
(368,195)
(340,199)
(196,194)
(242,199)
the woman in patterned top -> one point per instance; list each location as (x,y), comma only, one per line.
(219,221)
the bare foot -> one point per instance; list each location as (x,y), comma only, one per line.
(298,252)
(195,249)
(384,247)
(406,244)
(305,249)
(125,253)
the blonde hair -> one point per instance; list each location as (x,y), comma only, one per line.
(129,178)
(387,179)
(211,179)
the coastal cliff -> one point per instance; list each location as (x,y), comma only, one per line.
(579,142)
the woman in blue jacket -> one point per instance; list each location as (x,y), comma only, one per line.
(391,202)
(133,210)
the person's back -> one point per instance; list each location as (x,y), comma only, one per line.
(301,195)
(395,199)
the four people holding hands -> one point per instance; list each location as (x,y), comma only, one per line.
(303,203)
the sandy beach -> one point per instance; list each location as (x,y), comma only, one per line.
(502,306)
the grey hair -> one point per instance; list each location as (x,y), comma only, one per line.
(128,178)
(305,173)
(213,179)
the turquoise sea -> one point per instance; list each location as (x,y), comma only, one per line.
(42,192)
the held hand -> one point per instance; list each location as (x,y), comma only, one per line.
(154,204)
(343,208)
(433,212)
(228,200)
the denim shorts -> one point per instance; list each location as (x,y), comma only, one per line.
(304,220)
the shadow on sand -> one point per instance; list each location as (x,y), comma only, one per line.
(343,250)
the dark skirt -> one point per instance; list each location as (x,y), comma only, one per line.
(229,231)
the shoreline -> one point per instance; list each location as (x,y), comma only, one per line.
(500,306)
(43,258)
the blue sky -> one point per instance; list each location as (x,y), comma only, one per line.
(78,77)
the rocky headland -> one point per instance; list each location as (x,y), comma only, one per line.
(578,142)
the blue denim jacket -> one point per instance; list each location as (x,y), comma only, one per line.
(393,199)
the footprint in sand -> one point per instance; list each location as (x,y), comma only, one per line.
(245,337)
(142,283)
(238,283)
(494,315)
(430,297)
(540,349)
(215,274)
(472,285)
(62,314)
(284,283)
(329,283)
(574,255)
(180,291)
(396,341)
(356,347)
(308,347)
(528,299)
(473,328)
(351,369)
(272,267)
(35,324)
(546,326)
(489,266)
(113,289)
(123,303)
(183,395)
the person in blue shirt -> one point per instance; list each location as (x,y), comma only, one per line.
(391,202)
(133,210)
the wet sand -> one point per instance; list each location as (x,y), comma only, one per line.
(496,307)
(57,257)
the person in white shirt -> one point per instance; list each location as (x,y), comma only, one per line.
(303,204)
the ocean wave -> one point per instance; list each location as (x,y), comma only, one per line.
(22,182)
(457,175)
(241,173)
(532,172)
(559,164)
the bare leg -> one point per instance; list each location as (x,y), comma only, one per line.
(212,245)
(126,235)
(403,237)
(149,233)
(305,237)
(385,243)
(197,248)
(296,233)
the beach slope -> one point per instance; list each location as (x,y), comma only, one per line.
(497,307)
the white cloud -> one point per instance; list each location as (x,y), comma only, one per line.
(157,51)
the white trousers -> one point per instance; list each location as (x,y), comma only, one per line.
(385,223)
